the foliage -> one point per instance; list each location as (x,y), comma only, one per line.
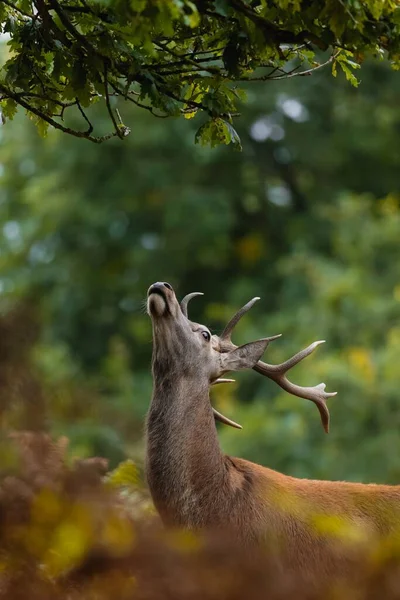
(173,58)
(66,535)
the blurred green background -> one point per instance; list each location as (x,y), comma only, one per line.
(307,217)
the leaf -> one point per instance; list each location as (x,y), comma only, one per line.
(240,94)
(191,15)
(234,136)
(217,131)
(190,115)
(293,5)
(223,8)
(349,74)
(396,16)
(41,125)
(138,6)
(8,108)
(347,65)
(10,25)
(125,475)
(78,76)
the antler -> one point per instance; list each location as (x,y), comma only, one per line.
(217,415)
(227,332)
(277,373)
(185,301)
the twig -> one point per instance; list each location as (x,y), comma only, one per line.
(148,108)
(127,97)
(21,12)
(274,31)
(193,62)
(292,73)
(58,33)
(80,134)
(110,111)
(346,9)
(48,98)
(90,126)
(68,25)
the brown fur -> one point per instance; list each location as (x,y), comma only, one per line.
(317,528)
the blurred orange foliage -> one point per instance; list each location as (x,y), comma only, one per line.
(67,532)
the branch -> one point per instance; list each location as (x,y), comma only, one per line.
(77,9)
(149,108)
(90,126)
(21,12)
(281,36)
(80,134)
(190,61)
(110,112)
(50,24)
(68,25)
(46,98)
(73,31)
(127,97)
(293,73)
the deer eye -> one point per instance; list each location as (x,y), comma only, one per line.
(206,335)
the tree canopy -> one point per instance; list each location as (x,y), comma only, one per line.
(176,58)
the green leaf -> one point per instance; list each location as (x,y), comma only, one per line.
(217,131)
(8,108)
(41,125)
(346,64)
(223,8)
(396,16)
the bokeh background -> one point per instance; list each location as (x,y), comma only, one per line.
(307,217)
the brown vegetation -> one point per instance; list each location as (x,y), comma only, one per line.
(67,531)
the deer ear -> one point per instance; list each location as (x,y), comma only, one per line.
(244,357)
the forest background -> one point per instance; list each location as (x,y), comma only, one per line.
(307,216)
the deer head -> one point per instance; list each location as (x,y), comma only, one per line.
(189,349)
(192,346)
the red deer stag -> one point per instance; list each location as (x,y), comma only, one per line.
(194,485)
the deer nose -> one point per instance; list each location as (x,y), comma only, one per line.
(159,286)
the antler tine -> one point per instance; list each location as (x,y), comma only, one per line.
(225,420)
(217,415)
(316,393)
(185,301)
(227,332)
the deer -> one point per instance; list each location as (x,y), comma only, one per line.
(195,486)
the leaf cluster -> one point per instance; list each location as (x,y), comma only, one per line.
(175,58)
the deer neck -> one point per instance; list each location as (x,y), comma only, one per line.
(185,466)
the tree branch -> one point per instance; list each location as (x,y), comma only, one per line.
(68,25)
(90,126)
(79,134)
(50,24)
(110,112)
(127,96)
(293,73)
(280,35)
(18,10)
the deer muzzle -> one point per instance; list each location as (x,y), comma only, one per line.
(158,298)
